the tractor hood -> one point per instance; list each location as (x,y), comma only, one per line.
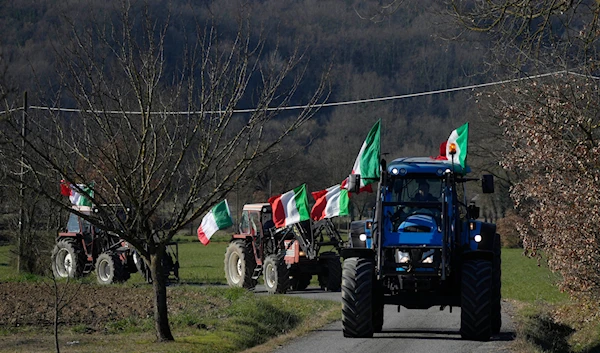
(418,224)
(416,230)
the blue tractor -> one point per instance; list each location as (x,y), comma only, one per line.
(424,247)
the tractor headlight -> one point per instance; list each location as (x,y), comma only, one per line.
(477,238)
(402,257)
(362,237)
(427,257)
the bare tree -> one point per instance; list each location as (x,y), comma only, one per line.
(551,126)
(165,142)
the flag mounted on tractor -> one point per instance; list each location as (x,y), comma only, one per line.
(290,207)
(331,202)
(80,195)
(219,217)
(367,161)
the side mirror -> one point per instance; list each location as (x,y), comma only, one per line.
(472,212)
(487,184)
(354,183)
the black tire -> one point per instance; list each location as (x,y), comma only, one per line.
(276,274)
(476,300)
(357,297)
(239,265)
(68,259)
(330,279)
(110,269)
(377,307)
(497,287)
(334,275)
(300,282)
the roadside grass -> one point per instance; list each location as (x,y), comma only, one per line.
(546,319)
(525,281)
(203,319)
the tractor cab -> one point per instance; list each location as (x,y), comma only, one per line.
(256,219)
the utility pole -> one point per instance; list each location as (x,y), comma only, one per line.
(22,186)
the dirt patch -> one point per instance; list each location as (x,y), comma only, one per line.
(32,304)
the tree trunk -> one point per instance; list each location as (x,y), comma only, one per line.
(161,318)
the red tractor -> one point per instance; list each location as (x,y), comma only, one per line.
(286,257)
(82,248)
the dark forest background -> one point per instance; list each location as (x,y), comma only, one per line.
(414,49)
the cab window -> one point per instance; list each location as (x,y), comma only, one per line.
(245,223)
(73,224)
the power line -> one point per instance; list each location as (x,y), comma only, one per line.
(321,105)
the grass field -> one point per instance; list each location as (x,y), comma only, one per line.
(525,281)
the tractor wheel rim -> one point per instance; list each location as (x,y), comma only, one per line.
(62,265)
(103,271)
(270,276)
(68,263)
(235,268)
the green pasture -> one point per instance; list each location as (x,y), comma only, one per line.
(522,278)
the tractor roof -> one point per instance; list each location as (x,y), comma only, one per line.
(256,206)
(423,165)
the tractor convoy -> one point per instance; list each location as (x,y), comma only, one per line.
(82,248)
(424,247)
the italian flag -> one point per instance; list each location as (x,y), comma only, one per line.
(291,207)
(459,138)
(75,197)
(331,202)
(367,161)
(219,217)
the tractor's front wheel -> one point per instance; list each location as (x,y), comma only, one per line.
(68,259)
(300,281)
(331,279)
(476,300)
(357,297)
(239,265)
(276,274)
(110,269)
(378,307)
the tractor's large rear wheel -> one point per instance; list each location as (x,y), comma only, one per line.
(276,274)
(357,297)
(476,300)
(239,265)
(111,269)
(68,259)
(497,286)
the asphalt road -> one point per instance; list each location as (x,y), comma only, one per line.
(428,331)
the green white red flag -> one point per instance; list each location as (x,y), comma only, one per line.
(459,138)
(76,198)
(290,207)
(217,218)
(331,202)
(367,161)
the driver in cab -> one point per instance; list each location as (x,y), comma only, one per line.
(423,193)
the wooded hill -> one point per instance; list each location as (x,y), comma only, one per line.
(409,51)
